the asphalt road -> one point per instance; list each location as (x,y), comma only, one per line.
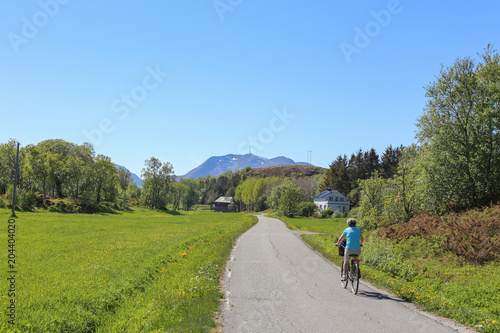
(275,283)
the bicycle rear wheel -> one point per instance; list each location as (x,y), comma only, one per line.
(342,273)
(354,277)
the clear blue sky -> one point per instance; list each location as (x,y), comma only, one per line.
(186,80)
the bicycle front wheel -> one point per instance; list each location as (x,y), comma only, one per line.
(354,277)
(342,273)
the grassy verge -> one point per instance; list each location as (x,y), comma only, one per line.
(442,284)
(142,271)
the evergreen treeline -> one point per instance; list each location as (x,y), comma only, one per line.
(344,173)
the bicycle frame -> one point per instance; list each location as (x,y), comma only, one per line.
(353,273)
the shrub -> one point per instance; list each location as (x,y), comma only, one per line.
(317,215)
(354,212)
(336,214)
(473,236)
(367,224)
(27,201)
(3,204)
(306,208)
(327,212)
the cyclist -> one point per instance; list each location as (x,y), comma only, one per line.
(353,244)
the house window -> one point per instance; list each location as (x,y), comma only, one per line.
(341,198)
(336,198)
(331,198)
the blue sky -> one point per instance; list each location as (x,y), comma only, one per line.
(186,80)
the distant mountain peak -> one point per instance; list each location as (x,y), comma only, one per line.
(217,165)
(136,178)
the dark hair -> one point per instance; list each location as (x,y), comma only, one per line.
(351,222)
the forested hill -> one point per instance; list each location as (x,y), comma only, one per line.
(285,171)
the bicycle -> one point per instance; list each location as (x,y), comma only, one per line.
(353,273)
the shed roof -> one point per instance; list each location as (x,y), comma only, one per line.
(225,200)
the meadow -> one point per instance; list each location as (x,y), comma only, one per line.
(438,282)
(141,271)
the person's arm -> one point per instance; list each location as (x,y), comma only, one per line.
(340,240)
(361,240)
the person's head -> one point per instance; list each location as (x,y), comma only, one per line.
(351,222)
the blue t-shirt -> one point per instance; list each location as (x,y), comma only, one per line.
(353,236)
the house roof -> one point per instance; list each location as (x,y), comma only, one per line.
(326,194)
(225,200)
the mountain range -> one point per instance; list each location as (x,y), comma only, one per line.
(217,165)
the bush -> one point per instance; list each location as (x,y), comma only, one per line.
(354,212)
(336,215)
(306,208)
(317,215)
(3,204)
(472,236)
(367,224)
(327,212)
(27,201)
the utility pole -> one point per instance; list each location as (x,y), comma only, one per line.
(15,183)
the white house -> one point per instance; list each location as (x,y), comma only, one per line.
(331,199)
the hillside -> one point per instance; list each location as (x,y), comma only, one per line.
(285,171)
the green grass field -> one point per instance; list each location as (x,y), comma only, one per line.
(140,271)
(469,294)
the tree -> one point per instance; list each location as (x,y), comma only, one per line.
(8,152)
(372,197)
(103,179)
(401,200)
(191,195)
(289,199)
(177,193)
(306,208)
(124,179)
(285,198)
(337,176)
(78,164)
(38,166)
(460,135)
(390,160)
(158,178)
(59,153)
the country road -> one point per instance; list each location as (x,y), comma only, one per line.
(275,283)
